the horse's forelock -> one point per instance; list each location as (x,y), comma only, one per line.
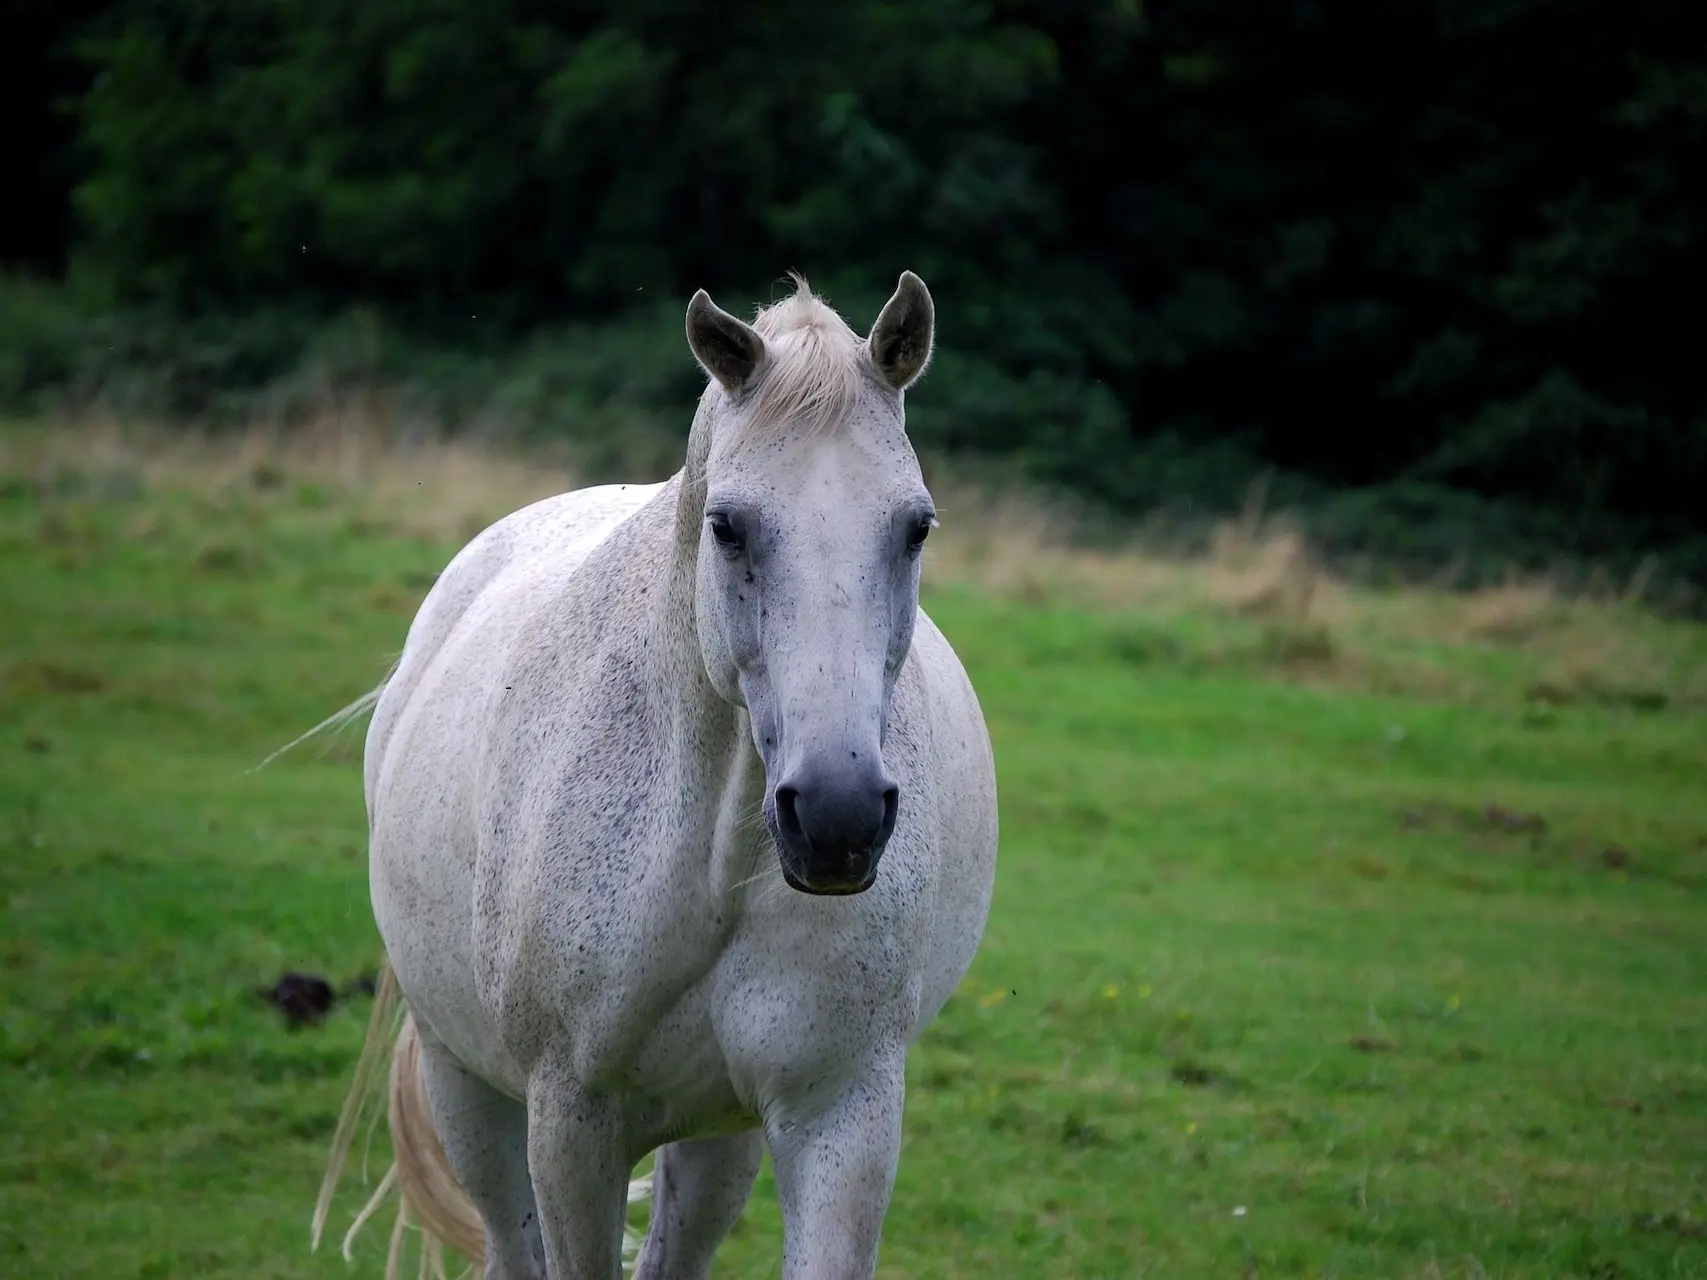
(818,367)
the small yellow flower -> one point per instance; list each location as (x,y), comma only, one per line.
(995,996)
(1110,991)
(1191,1126)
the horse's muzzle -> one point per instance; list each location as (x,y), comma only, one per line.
(831,831)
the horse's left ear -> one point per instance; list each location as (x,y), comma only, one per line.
(900,341)
(728,349)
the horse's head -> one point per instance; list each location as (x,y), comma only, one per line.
(813,520)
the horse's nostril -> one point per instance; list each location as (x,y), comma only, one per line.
(835,822)
(786,815)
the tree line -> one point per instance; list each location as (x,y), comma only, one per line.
(1435,261)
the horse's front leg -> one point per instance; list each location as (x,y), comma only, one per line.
(576,1150)
(835,1170)
(698,1191)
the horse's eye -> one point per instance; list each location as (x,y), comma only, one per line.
(921,531)
(723,529)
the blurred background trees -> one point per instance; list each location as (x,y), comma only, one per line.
(1434,262)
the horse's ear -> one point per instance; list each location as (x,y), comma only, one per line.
(900,341)
(726,348)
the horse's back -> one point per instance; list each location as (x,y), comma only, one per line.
(556,533)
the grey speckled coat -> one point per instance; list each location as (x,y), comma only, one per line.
(683,824)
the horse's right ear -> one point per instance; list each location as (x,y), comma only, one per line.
(900,341)
(728,349)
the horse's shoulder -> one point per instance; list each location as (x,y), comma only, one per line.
(934,660)
(936,701)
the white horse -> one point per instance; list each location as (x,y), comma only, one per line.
(682,830)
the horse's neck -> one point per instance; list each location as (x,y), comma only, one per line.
(675,667)
(690,487)
(706,737)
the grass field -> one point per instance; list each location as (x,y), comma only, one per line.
(1336,934)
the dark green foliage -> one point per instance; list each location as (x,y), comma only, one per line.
(42,76)
(1432,259)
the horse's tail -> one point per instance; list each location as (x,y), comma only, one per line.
(429,1196)
(338,719)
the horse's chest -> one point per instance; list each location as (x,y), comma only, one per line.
(635,1016)
(597,960)
(600,911)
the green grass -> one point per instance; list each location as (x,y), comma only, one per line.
(1268,989)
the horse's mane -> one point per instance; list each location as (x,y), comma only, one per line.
(818,367)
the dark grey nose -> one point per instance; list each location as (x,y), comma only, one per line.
(832,829)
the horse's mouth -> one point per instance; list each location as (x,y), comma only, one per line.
(794,873)
(828,889)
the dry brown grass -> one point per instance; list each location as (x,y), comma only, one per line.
(429,485)
(1258,573)
(1514,611)
(1600,647)
(1016,545)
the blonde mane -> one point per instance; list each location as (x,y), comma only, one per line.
(818,367)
